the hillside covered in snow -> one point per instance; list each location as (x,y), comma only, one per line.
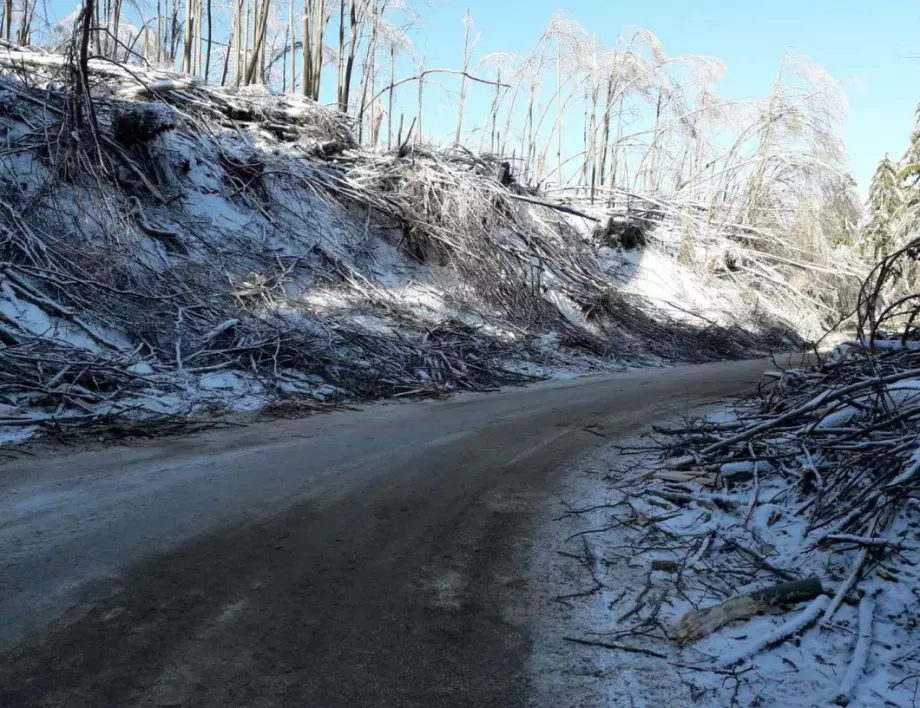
(173,249)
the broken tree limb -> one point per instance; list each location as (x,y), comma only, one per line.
(812,405)
(857,664)
(707,479)
(156,87)
(700,623)
(872,541)
(616,647)
(845,586)
(555,206)
(779,634)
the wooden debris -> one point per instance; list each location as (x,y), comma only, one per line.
(797,624)
(860,657)
(707,479)
(700,623)
(668,566)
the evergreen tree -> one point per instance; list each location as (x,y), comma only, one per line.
(911,171)
(885,201)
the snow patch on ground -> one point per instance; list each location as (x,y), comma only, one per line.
(599,593)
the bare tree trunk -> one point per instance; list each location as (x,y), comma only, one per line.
(116,23)
(319,30)
(468,22)
(306,68)
(238,42)
(263,51)
(352,51)
(231,43)
(207,55)
(368,82)
(256,14)
(174,34)
(289,49)
(378,122)
(159,26)
(89,10)
(614,163)
(96,35)
(559,109)
(7,33)
(24,35)
(293,32)
(258,41)
(605,131)
(341,62)
(421,91)
(591,157)
(24,13)
(244,59)
(187,47)
(390,107)
(199,39)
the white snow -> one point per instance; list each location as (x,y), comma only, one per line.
(222,380)
(860,652)
(875,659)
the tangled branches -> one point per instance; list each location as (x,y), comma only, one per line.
(240,242)
(889,302)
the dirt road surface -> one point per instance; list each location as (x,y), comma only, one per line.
(373,558)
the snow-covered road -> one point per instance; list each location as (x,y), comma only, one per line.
(377,557)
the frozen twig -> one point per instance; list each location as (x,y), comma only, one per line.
(860,658)
(777,635)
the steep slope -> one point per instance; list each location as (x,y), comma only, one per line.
(172,248)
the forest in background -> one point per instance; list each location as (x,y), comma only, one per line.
(579,115)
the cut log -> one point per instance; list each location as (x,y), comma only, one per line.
(700,623)
(666,565)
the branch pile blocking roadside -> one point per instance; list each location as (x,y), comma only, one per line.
(806,497)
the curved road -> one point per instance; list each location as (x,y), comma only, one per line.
(372,558)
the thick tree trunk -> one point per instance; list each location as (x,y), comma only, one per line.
(319,30)
(187,46)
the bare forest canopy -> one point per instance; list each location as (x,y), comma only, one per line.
(578,114)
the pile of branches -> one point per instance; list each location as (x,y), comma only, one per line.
(100,235)
(513,247)
(845,436)
(807,492)
(285,118)
(715,236)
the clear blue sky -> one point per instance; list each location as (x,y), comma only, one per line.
(870,45)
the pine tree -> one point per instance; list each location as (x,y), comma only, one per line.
(885,200)
(911,160)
